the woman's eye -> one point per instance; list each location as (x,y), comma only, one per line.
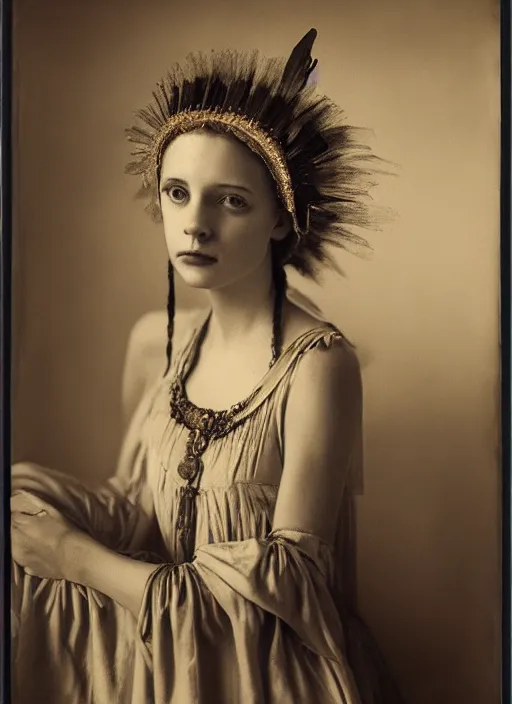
(235,202)
(176,194)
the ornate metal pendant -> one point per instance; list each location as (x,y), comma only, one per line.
(189,467)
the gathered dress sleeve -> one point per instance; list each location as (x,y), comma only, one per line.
(259,616)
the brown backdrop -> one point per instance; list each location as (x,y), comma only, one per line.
(425,77)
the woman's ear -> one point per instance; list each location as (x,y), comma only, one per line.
(282,226)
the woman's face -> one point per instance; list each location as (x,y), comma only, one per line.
(217,200)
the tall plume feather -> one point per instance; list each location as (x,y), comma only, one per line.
(299,66)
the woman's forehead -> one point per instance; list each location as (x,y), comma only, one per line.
(204,156)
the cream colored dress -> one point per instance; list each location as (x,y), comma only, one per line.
(249,616)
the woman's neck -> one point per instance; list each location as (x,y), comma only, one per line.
(242,310)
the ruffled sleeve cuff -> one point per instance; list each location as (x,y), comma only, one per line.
(286,575)
(248,609)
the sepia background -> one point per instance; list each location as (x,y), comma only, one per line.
(424,76)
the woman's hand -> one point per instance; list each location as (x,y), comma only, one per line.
(39,536)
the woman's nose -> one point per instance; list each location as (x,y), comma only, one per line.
(197,221)
(198,231)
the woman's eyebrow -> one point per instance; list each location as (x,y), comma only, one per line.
(239,187)
(179,181)
(170,180)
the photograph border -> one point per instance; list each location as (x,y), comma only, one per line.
(6,240)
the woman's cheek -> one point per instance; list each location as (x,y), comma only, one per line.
(171,227)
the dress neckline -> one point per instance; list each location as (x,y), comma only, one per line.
(192,358)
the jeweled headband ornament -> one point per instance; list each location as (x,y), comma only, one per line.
(322,174)
(247,131)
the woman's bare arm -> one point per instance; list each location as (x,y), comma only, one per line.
(323,414)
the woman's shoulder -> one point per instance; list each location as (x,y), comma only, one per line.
(302,323)
(327,380)
(146,358)
(322,361)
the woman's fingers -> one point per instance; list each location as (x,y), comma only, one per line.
(19,519)
(22,503)
(28,503)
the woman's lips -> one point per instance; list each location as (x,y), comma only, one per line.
(197,258)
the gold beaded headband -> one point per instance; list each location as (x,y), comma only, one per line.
(248,131)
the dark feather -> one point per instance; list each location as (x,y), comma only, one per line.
(299,66)
(216,94)
(237,93)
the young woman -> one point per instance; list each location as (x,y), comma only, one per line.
(217,565)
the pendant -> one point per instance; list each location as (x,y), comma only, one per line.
(189,467)
(187,513)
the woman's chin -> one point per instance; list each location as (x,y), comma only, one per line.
(202,278)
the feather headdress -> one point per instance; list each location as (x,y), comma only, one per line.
(321,172)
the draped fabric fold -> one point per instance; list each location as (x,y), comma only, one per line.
(268,604)
(107,513)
